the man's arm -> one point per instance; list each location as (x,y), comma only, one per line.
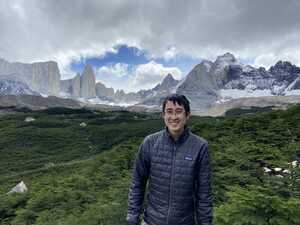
(138,185)
(204,206)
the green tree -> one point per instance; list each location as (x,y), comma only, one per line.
(257,206)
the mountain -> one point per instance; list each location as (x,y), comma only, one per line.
(12,85)
(199,86)
(81,86)
(210,83)
(88,83)
(155,95)
(103,92)
(148,97)
(167,85)
(275,81)
(71,87)
(277,102)
(42,77)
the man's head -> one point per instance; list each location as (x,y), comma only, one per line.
(176,111)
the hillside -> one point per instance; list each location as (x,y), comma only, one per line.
(79,174)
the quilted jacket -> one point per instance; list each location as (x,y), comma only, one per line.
(179,181)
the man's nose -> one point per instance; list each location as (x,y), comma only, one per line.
(174,116)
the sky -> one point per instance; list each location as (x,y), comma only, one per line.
(134,44)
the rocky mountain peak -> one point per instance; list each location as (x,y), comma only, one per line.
(88,69)
(42,77)
(120,92)
(207,64)
(284,72)
(169,77)
(103,92)
(88,82)
(169,81)
(166,86)
(13,85)
(284,67)
(226,58)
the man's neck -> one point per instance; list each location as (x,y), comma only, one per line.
(176,135)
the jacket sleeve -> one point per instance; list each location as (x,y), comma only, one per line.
(138,185)
(204,200)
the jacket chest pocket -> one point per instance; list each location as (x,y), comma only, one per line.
(185,168)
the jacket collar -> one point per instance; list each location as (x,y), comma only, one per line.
(182,138)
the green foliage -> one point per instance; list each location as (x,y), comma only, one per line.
(80,175)
(250,110)
(58,138)
(257,206)
(10,203)
(62,110)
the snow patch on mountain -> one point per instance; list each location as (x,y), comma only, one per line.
(292,92)
(97,100)
(11,85)
(228,94)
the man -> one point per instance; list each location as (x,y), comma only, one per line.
(175,163)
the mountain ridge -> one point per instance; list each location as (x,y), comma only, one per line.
(208,84)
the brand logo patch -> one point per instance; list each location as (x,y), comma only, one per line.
(188,157)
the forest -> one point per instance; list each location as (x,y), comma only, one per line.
(77,165)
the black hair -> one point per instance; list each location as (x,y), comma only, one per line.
(179,99)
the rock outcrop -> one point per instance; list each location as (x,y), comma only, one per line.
(71,87)
(12,85)
(42,77)
(155,95)
(167,85)
(19,188)
(207,84)
(75,92)
(199,86)
(226,78)
(80,86)
(88,83)
(103,92)
(46,77)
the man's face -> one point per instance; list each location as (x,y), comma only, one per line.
(175,118)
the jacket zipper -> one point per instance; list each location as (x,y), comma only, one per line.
(171,183)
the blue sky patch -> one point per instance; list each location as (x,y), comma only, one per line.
(134,56)
(118,68)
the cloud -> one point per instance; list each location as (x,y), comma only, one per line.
(116,76)
(118,70)
(148,75)
(132,79)
(268,60)
(170,53)
(261,31)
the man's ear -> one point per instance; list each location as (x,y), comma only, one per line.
(188,115)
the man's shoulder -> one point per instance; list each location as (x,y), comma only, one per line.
(152,138)
(197,139)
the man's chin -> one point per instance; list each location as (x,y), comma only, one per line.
(174,130)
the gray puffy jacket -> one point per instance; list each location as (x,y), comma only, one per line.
(179,181)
